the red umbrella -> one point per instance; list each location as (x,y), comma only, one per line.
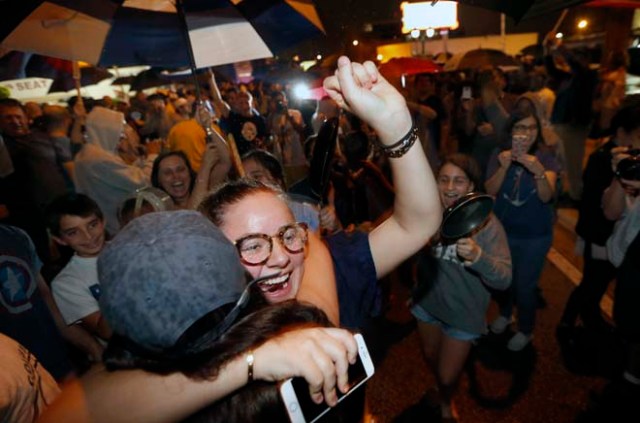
(399,66)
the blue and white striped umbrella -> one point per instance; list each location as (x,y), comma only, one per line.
(151,32)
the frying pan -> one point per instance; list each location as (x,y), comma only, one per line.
(322,158)
(468,214)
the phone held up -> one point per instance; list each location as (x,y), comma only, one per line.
(466,93)
(518,146)
(295,392)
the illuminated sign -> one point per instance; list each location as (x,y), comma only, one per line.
(424,15)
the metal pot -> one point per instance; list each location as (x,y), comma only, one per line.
(467,215)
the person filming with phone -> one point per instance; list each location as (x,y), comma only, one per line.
(287,129)
(523,178)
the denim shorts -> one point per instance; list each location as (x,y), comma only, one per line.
(420,314)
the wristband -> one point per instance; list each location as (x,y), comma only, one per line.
(250,360)
(401,147)
(541,177)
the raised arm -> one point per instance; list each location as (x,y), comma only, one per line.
(425,111)
(417,211)
(221,106)
(216,163)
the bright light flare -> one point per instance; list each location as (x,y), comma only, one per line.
(301,91)
(431,32)
(355,42)
(429,14)
(583,24)
(559,35)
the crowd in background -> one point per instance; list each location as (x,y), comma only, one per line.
(72,178)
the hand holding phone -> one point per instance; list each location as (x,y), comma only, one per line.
(466,93)
(295,391)
(518,146)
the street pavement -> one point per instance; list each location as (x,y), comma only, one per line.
(498,386)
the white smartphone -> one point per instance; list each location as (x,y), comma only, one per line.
(295,391)
(466,93)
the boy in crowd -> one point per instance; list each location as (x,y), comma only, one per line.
(76,221)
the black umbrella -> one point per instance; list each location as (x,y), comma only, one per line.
(152,78)
(18,65)
(195,33)
(480,58)
(89,75)
(523,9)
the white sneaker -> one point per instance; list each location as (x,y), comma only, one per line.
(519,341)
(500,324)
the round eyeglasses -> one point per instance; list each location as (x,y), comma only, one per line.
(525,128)
(256,248)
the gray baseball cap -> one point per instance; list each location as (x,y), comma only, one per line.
(163,272)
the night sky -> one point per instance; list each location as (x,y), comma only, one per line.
(345,20)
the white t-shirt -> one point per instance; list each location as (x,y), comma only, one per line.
(76,289)
(26,388)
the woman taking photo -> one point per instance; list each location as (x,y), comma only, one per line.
(523,177)
(454,282)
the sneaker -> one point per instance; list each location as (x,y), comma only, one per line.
(519,341)
(500,324)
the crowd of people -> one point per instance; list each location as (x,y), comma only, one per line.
(174,251)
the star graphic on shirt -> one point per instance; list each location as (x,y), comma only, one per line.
(13,284)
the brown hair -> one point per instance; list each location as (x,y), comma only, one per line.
(257,401)
(214,206)
(469,166)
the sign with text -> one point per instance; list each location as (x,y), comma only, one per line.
(27,87)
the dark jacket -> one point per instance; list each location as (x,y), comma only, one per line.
(592,225)
(574,93)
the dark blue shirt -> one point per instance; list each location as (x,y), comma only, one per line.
(517,204)
(359,296)
(24,316)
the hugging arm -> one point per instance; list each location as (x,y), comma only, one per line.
(320,355)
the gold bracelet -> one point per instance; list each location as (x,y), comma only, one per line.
(250,360)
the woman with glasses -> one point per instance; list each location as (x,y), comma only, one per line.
(178,301)
(523,179)
(454,282)
(271,243)
(260,221)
